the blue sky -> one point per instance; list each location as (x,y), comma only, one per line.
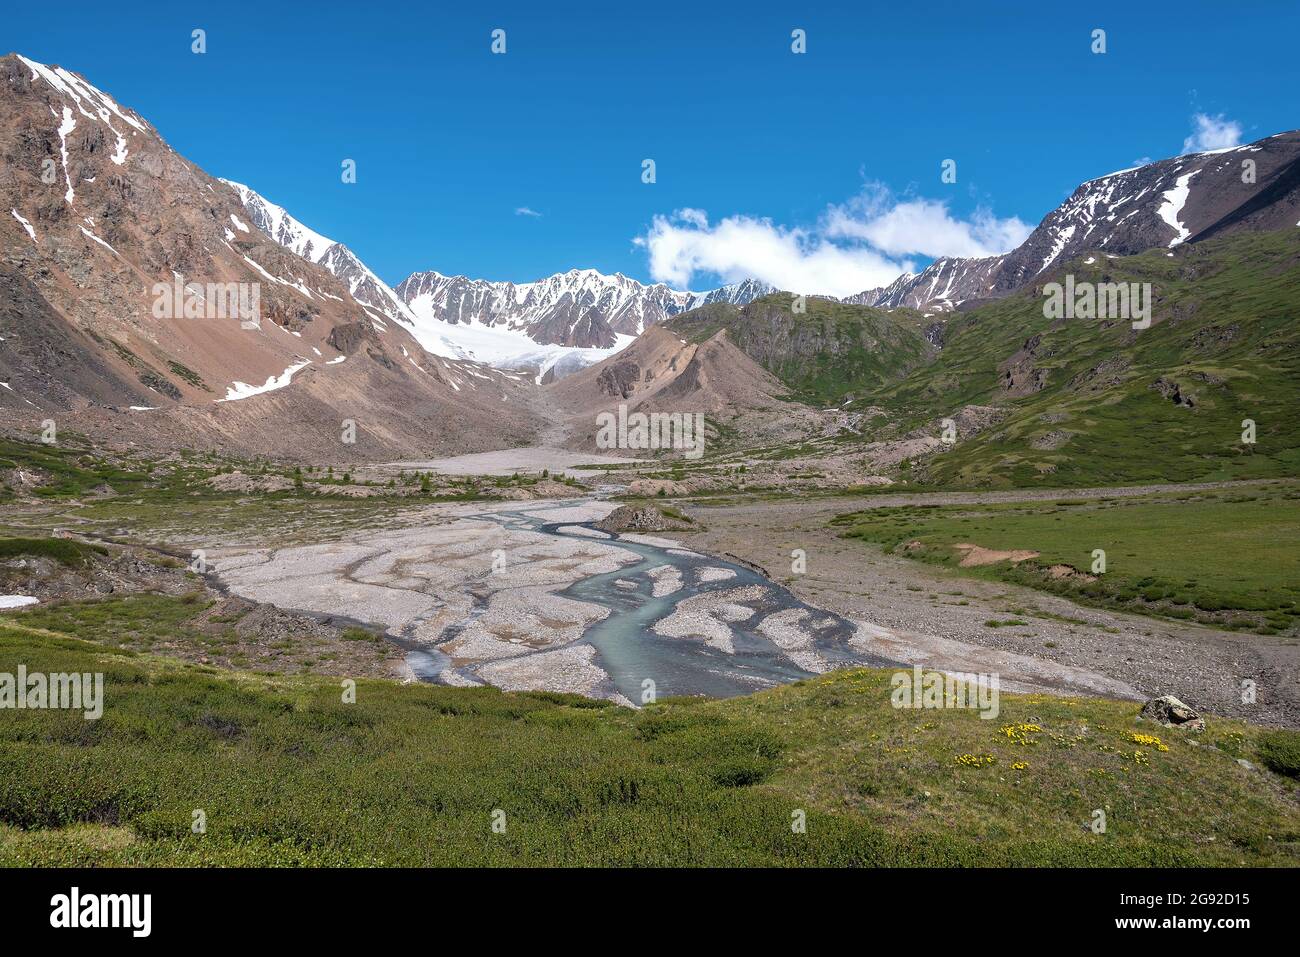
(783,162)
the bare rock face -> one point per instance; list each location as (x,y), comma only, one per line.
(348,337)
(639,518)
(1172,391)
(1021,375)
(619,379)
(1172,713)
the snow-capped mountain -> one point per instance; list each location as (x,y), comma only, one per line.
(551,326)
(1159,205)
(737,293)
(136,298)
(1164,204)
(366,288)
(554,325)
(581,308)
(563,322)
(940,287)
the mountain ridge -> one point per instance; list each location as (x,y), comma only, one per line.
(1184,198)
(112,248)
(550,326)
(558,323)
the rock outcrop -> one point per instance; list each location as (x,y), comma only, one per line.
(640,518)
(1172,713)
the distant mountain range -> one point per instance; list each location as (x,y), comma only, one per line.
(568,320)
(97,213)
(555,324)
(550,326)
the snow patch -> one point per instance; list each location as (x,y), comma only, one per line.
(67,126)
(91,235)
(242,390)
(1062,238)
(26,225)
(1174,201)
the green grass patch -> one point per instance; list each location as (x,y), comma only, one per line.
(65,551)
(286,773)
(1280,752)
(1223,557)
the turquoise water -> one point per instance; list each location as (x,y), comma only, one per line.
(631,652)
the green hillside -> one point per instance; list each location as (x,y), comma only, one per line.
(286,773)
(1082,401)
(828,352)
(1163,404)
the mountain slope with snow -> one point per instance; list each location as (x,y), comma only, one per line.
(1166,203)
(365,287)
(1160,205)
(137,299)
(553,325)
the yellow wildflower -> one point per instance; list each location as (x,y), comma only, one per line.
(1150,740)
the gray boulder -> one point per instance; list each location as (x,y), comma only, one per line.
(1172,713)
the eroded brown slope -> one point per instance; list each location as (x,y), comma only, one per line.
(661,373)
(96,211)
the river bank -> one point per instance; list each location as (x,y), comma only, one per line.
(936,614)
(535,598)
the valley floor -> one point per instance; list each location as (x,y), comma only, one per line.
(428,574)
(520,625)
(218,702)
(944,617)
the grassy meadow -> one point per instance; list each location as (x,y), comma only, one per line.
(286,773)
(1225,557)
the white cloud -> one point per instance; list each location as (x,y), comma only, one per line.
(743,247)
(922,227)
(525,211)
(860,245)
(696,217)
(1212,133)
